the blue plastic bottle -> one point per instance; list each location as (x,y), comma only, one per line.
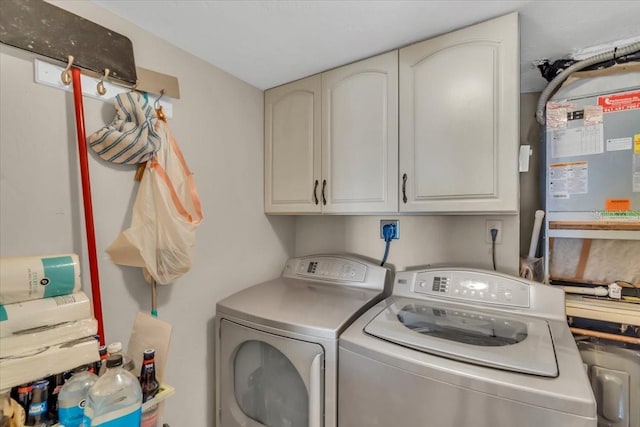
(115,400)
(72,397)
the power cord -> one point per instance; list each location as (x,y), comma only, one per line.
(388,231)
(494,236)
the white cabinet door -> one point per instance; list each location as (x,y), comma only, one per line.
(459,104)
(360,136)
(292,147)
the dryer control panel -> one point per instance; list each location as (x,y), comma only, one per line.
(339,270)
(472,286)
(332,269)
(322,267)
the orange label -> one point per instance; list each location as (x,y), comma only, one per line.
(617,205)
(620,101)
(636,143)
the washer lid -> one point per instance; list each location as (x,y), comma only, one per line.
(488,338)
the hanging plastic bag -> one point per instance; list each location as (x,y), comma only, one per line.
(166,213)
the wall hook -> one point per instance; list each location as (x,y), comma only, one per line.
(156,104)
(101,89)
(158,108)
(66,73)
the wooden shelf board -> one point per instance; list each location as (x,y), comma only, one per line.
(610,311)
(579,281)
(595,225)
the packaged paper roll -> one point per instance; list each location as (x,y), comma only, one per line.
(46,336)
(34,277)
(22,316)
(47,361)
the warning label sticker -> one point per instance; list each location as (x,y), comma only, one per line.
(569,178)
(620,101)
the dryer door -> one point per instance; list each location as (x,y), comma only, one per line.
(269,380)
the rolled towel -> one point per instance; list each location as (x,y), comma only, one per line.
(132,137)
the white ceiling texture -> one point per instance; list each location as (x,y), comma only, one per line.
(271,42)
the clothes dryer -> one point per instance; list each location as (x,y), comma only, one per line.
(277,342)
(455,347)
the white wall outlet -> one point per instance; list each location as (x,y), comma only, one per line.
(491,224)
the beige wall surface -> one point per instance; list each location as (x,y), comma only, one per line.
(453,240)
(218,123)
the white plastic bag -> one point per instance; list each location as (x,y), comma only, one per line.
(166,214)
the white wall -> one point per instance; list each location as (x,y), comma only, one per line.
(218,123)
(423,239)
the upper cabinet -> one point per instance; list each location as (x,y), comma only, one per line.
(459,118)
(353,166)
(360,136)
(292,147)
(333,144)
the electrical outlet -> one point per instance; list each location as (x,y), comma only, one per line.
(395,222)
(493,223)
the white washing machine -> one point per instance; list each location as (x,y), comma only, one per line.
(277,342)
(456,347)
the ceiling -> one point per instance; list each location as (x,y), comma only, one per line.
(268,43)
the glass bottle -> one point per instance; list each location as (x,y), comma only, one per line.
(116,348)
(37,414)
(148,381)
(150,387)
(55,385)
(100,366)
(22,395)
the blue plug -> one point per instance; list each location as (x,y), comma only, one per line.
(389,232)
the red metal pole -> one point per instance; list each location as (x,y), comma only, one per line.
(88,206)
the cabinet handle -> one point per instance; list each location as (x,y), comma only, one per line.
(315,192)
(404,187)
(324,185)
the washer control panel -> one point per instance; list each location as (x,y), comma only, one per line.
(331,268)
(472,286)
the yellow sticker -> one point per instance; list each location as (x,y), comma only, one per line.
(636,143)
